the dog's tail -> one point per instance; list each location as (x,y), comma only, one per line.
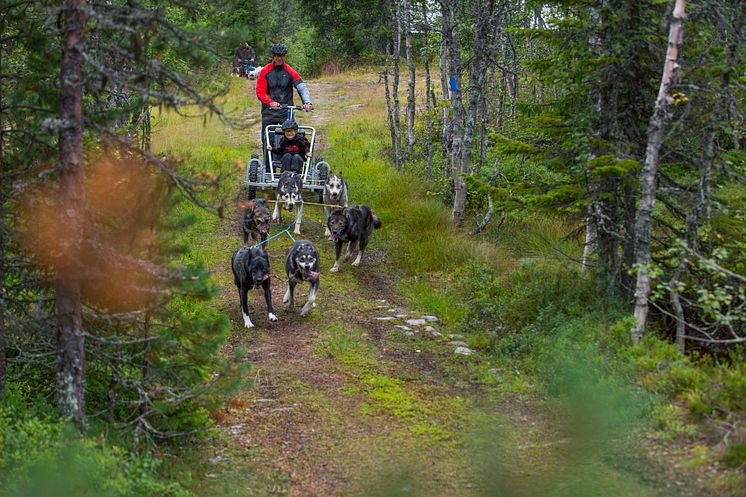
(376,222)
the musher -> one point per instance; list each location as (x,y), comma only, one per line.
(274,87)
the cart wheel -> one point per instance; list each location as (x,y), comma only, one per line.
(321,174)
(253,176)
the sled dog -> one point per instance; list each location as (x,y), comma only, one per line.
(335,194)
(251,270)
(256,222)
(352,225)
(302,264)
(289,195)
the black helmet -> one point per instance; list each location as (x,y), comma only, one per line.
(279,49)
(289,124)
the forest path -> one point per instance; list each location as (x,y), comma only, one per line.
(336,404)
(343,401)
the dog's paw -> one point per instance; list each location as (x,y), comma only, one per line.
(297,230)
(272,317)
(247,321)
(286,297)
(306,309)
(355,263)
(334,268)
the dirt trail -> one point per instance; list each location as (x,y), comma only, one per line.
(305,422)
(341,397)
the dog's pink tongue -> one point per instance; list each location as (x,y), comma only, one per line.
(312,275)
(263,227)
(332,238)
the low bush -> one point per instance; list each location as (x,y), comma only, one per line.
(43,456)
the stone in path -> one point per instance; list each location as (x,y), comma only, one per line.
(385,318)
(431,319)
(463,351)
(416,322)
(458,343)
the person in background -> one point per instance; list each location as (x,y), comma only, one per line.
(242,57)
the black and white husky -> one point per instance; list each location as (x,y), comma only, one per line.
(251,270)
(352,225)
(289,189)
(302,264)
(335,194)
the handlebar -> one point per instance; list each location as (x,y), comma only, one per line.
(292,107)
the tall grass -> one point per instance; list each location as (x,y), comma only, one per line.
(417,229)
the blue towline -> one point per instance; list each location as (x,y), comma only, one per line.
(285,230)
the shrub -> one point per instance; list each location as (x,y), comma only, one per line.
(41,455)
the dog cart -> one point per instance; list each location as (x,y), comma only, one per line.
(265,174)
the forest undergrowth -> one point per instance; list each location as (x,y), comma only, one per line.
(553,402)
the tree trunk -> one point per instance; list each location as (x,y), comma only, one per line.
(450,36)
(445,144)
(595,101)
(513,77)
(428,90)
(395,83)
(70,339)
(676,304)
(476,88)
(626,277)
(591,233)
(390,109)
(649,171)
(411,82)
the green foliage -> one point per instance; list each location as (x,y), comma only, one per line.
(735,455)
(41,455)
(505,145)
(516,299)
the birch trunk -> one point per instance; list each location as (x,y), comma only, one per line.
(594,97)
(395,83)
(70,339)
(649,172)
(450,34)
(476,88)
(389,108)
(411,82)
(428,91)
(444,95)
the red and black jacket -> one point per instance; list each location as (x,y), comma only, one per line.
(275,84)
(298,145)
